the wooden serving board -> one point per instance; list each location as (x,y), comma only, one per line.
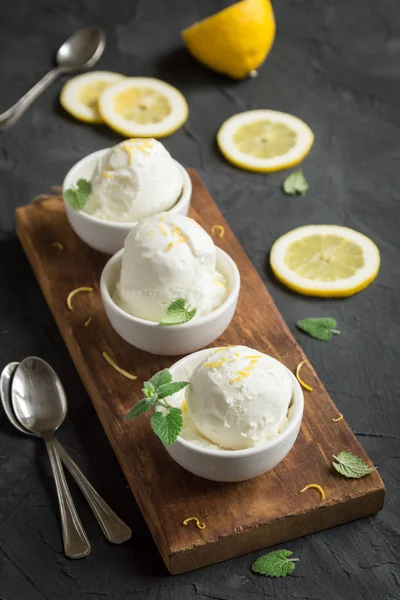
(239,517)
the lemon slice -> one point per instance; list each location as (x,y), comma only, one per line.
(264,140)
(325,260)
(143,107)
(80,95)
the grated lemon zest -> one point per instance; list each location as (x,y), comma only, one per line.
(216,364)
(76,291)
(110,361)
(108,174)
(218,228)
(218,282)
(58,245)
(162,229)
(125,146)
(299,379)
(221,349)
(316,487)
(198,524)
(340,417)
(88,321)
(181,238)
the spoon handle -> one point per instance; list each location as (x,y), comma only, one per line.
(11,116)
(76,543)
(115,530)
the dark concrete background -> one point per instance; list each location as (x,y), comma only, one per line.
(334,64)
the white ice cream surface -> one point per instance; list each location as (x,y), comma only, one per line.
(237,398)
(133,180)
(167,257)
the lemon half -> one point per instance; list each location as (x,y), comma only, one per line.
(234,41)
(264,140)
(80,95)
(325,260)
(143,107)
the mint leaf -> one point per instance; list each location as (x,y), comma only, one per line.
(351,466)
(140,407)
(275,564)
(148,389)
(295,184)
(78,196)
(178,312)
(160,378)
(320,328)
(167,426)
(167,389)
(84,186)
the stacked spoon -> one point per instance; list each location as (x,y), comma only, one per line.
(35,403)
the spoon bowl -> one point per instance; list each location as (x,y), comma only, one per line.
(82,50)
(38,397)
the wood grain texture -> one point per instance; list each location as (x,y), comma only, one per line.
(239,517)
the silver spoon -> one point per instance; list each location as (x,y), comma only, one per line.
(40,406)
(115,530)
(80,52)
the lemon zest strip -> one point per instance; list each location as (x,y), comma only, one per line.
(221,349)
(108,174)
(76,291)
(314,486)
(184,406)
(114,365)
(216,364)
(88,321)
(218,282)
(299,379)
(58,245)
(219,230)
(340,417)
(162,229)
(198,524)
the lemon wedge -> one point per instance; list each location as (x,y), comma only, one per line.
(325,260)
(80,95)
(264,140)
(234,41)
(143,107)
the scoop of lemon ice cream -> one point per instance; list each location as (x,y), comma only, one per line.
(167,257)
(133,180)
(238,397)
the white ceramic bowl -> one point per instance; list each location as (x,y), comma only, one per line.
(234,465)
(177,339)
(109,236)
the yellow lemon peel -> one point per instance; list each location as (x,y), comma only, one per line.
(58,245)
(198,524)
(219,230)
(88,321)
(216,364)
(316,487)
(76,291)
(340,417)
(114,365)
(299,379)
(162,229)
(184,406)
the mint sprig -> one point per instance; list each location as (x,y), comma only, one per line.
(77,196)
(320,328)
(351,466)
(166,424)
(275,564)
(295,184)
(178,312)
